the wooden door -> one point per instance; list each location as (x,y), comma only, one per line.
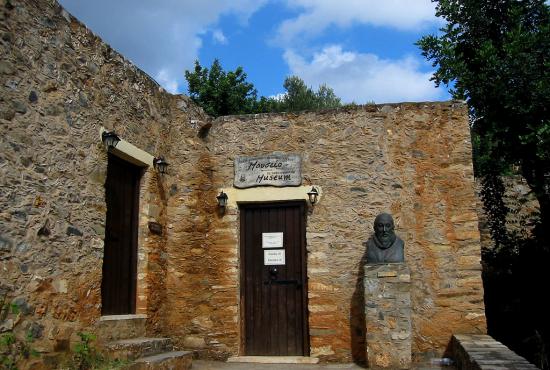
(274,296)
(118,285)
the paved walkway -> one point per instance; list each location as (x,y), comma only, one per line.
(218,365)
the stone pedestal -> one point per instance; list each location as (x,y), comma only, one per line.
(388,315)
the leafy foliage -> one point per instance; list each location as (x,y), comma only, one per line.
(85,356)
(12,348)
(512,273)
(492,191)
(496,55)
(222,93)
(299,97)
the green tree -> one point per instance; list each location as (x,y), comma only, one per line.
(221,93)
(299,97)
(268,105)
(327,98)
(496,55)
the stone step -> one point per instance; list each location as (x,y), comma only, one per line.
(117,327)
(274,359)
(176,360)
(131,349)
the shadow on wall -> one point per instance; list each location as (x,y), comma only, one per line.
(358,325)
(515,262)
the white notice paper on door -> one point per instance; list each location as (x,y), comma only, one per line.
(272,240)
(274,257)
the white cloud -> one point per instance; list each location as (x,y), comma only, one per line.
(164,79)
(219,37)
(161,37)
(318,15)
(363,77)
(278,97)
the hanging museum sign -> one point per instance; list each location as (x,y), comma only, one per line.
(268,170)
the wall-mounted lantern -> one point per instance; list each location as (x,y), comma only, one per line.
(160,165)
(222,200)
(110,139)
(312,195)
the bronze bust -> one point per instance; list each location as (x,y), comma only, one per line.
(384,246)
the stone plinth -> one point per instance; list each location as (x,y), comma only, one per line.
(388,315)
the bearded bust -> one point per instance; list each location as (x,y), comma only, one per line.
(384,246)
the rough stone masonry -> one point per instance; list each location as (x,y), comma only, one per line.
(388,315)
(60,84)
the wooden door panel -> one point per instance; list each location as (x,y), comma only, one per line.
(118,284)
(275,302)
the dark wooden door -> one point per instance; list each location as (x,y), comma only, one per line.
(274,296)
(118,285)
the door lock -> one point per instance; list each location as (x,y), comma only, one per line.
(273,273)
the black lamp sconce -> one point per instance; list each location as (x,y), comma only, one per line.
(222,200)
(110,139)
(312,195)
(160,165)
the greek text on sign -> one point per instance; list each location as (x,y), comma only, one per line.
(272,169)
(274,257)
(272,240)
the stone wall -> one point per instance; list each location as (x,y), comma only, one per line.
(412,160)
(522,215)
(482,352)
(59,84)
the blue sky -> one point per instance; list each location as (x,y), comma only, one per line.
(363,49)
